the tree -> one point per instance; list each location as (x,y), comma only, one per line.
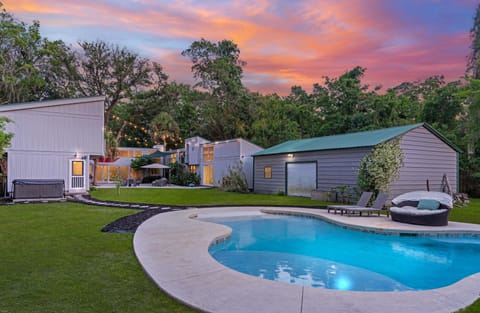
(31,67)
(346,103)
(217,66)
(473,65)
(117,73)
(442,107)
(218,69)
(164,126)
(274,123)
(5,139)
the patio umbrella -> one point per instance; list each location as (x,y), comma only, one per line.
(155,165)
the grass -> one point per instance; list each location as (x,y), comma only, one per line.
(198,197)
(467,214)
(55,259)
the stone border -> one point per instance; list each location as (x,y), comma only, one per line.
(173,250)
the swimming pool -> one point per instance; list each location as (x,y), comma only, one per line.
(311,252)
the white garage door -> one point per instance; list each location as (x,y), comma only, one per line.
(301,179)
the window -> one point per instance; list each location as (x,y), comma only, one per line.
(173,158)
(208,154)
(267,172)
(193,169)
(77,168)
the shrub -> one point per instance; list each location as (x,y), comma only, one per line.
(185,179)
(235,180)
(380,167)
(179,175)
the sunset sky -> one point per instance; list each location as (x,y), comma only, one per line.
(284,43)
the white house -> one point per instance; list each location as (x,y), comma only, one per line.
(55,140)
(211,160)
(108,171)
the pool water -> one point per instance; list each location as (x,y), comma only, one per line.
(311,252)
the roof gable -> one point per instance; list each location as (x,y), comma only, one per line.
(48,103)
(352,140)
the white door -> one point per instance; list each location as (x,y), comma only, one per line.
(301,179)
(77,175)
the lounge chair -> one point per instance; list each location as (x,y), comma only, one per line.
(362,202)
(377,206)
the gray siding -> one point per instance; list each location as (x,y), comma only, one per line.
(425,157)
(334,168)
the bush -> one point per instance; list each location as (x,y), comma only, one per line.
(179,175)
(185,179)
(380,167)
(235,180)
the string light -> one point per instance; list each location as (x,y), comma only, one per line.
(144,130)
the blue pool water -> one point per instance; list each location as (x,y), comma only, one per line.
(311,252)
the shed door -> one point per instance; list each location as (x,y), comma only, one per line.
(301,179)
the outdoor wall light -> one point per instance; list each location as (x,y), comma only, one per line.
(290,155)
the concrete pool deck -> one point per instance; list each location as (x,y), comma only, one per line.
(173,250)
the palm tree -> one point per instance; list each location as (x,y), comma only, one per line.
(164,126)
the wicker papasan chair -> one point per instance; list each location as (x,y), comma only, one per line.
(429,208)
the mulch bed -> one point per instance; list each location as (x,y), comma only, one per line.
(130,223)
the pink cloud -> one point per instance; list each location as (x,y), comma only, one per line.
(284,43)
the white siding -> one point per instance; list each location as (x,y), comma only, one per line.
(193,150)
(70,128)
(48,134)
(227,154)
(425,157)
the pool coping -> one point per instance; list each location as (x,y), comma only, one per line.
(173,250)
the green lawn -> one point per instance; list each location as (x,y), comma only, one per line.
(198,197)
(53,257)
(467,214)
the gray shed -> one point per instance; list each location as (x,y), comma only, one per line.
(297,167)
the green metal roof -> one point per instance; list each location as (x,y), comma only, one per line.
(353,140)
(157,154)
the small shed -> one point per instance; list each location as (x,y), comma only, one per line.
(297,167)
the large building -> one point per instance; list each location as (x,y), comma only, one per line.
(297,167)
(55,140)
